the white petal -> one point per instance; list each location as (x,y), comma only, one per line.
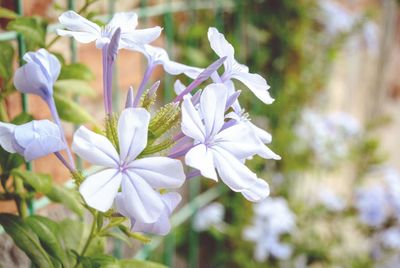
(142,202)
(100,189)
(238,177)
(201,158)
(191,123)
(6,135)
(264,136)
(81,29)
(140,37)
(127,21)
(219,44)
(94,148)
(159,172)
(133,125)
(176,68)
(212,105)
(171,201)
(257,84)
(30,79)
(49,63)
(179,87)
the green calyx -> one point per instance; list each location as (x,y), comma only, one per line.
(111,125)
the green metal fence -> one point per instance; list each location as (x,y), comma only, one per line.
(166,10)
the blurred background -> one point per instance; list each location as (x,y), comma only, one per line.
(334,71)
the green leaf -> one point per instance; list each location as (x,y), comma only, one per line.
(40,182)
(119,236)
(134,264)
(6,56)
(67,197)
(47,231)
(22,118)
(6,13)
(70,111)
(76,71)
(72,87)
(33,30)
(25,239)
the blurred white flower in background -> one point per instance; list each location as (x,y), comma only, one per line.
(331,200)
(210,216)
(272,218)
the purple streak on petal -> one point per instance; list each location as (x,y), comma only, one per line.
(145,79)
(193,174)
(129,98)
(64,162)
(228,124)
(204,75)
(53,110)
(231,99)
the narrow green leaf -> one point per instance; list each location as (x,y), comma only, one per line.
(22,118)
(40,182)
(6,13)
(76,71)
(72,87)
(47,231)
(32,28)
(67,197)
(25,239)
(70,111)
(6,56)
(119,236)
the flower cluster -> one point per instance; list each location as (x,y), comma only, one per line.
(272,218)
(329,136)
(138,170)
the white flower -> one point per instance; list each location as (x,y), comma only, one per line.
(85,31)
(234,70)
(391,238)
(38,75)
(162,225)
(372,204)
(331,200)
(272,217)
(31,140)
(219,148)
(139,179)
(209,216)
(158,56)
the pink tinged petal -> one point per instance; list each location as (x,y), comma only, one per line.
(219,44)
(238,177)
(210,104)
(191,124)
(6,136)
(94,148)
(127,21)
(133,124)
(201,158)
(30,79)
(81,29)
(142,202)
(159,172)
(100,189)
(257,84)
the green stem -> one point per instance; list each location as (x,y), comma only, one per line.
(19,200)
(92,235)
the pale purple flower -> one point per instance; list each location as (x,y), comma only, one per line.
(139,179)
(209,216)
(31,140)
(234,70)
(162,226)
(37,77)
(391,238)
(217,148)
(371,203)
(331,200)
(85,31)
(272,217)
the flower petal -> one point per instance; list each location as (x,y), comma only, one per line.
(142,202)
(219,44)
(263,135)
(30,79)
(48,63)
(256,83)
(159,172)
(210,105)
(6,136)
(201,158)
(127,21)
(191,124)
(81,29)
(133,125)
(94,148)
(136,39)
(238,177)
(100,189)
